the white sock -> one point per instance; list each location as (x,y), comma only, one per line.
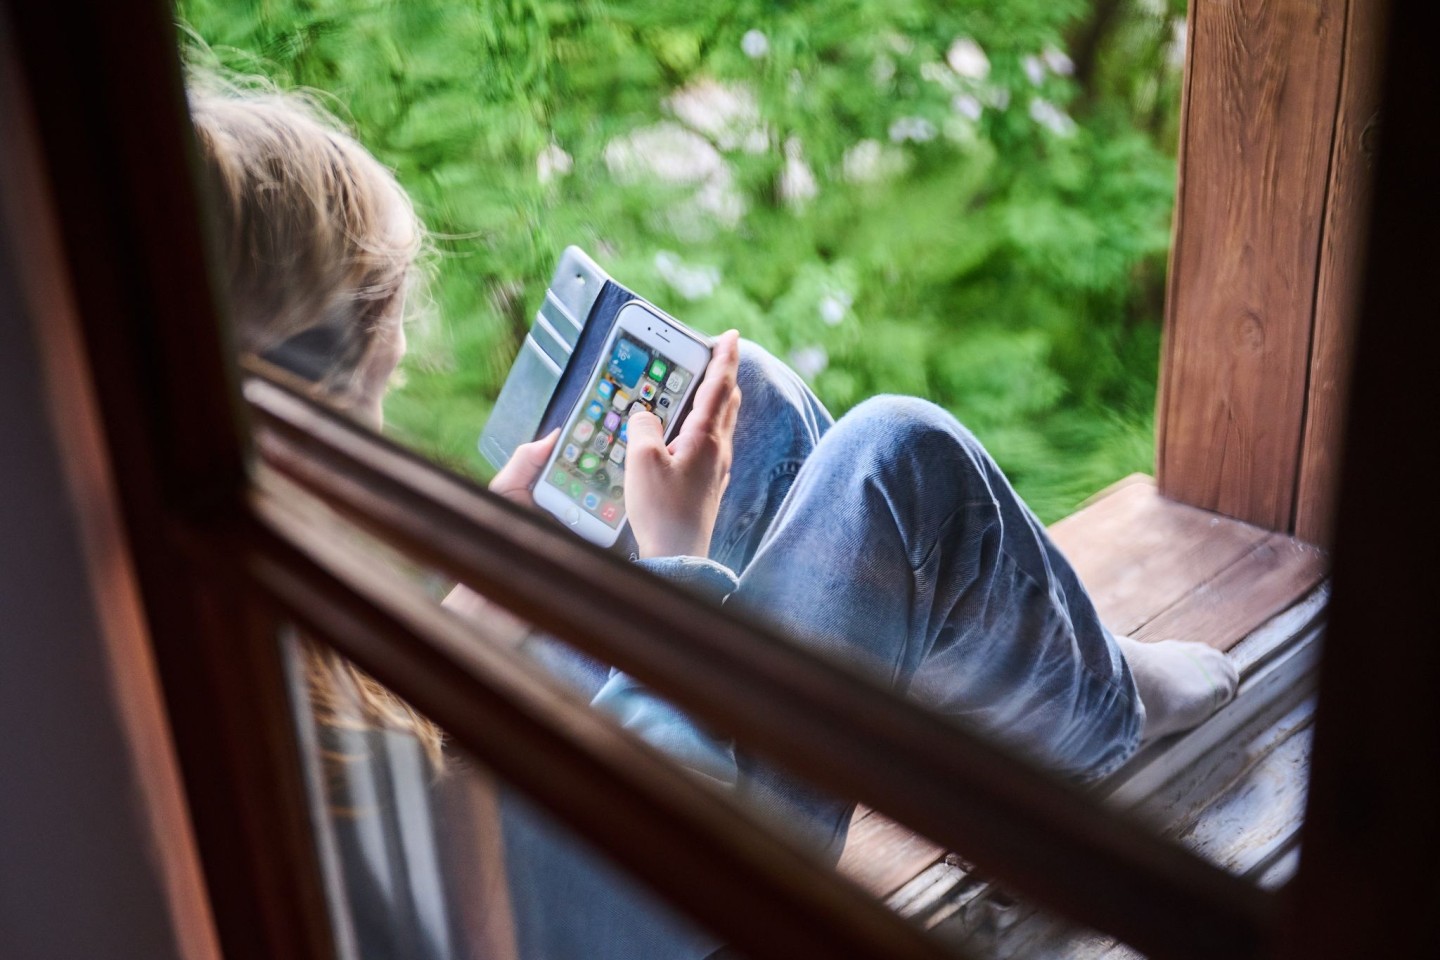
(1181,682)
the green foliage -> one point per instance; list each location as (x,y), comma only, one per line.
(892,213)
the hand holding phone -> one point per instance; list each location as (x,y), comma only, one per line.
(650,363)
(673,491)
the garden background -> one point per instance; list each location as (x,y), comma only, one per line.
(965,200)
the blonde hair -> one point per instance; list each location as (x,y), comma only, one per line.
(316,236)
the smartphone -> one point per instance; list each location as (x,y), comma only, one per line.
(649,362)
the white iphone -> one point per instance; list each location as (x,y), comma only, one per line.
(649,361)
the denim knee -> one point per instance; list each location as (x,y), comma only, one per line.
(894,430)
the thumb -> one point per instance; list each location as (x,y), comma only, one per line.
(646,441)
(525,464)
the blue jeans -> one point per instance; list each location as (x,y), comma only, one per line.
(890,542)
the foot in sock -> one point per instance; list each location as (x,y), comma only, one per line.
(1181,683)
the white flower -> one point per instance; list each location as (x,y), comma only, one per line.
(834,306)
(1058,62)
(755,44)
(912,128)
(1048,115)
(882,71)
(870,160)
(809,362)
(1175,55)
(797,180)
(726,113)
(967,105)
(967,59)
(692,283)
(669,153)
(1034,69)
(666,151)
(553,163)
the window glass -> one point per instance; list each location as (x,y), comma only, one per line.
(968,203)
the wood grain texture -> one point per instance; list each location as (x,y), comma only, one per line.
(1138,553)
(882,856)
(1224,610)
(1341,266)
(1262,84)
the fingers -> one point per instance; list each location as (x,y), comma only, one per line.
(646,438)
(525,464)
(719,383)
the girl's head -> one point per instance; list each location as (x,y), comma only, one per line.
(318,242)
(318,249)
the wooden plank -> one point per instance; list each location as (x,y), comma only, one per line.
(1341,255)
(1138,553)
(1262,82)
(882,856)
(1224,610)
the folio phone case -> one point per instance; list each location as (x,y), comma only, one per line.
(562,347)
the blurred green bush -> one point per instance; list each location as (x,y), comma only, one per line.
(968,201)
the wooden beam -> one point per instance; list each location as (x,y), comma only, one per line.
(1357,131)
(1367,883)
(1262,82)
(638,808)
(105,95)
(828,725)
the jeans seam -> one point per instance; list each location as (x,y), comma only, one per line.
(1089,671)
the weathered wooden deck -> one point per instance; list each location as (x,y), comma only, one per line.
(1233,790)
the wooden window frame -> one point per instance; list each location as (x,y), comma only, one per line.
(221,561)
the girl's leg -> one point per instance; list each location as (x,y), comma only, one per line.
(902,551)
(780,423)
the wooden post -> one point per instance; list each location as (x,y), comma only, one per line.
(1262,86)
(1357,130)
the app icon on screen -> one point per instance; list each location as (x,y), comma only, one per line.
(588,462)
(621,399)
(638,405)
(625,432)
(600,479)
(584,430)
(676,383)
(592,500)
(609,512)
(666,401)
(594,411)
(647,390)
(628,362)
(560,478)
(617,493)
(602,442)
(658,368)
(576,488)
(612,421)
(606,389)
(617,453)
(571,452)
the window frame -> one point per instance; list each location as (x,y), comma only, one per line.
(110,132)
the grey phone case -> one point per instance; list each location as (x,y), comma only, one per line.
(544,356)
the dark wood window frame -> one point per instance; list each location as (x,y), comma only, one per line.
(103,148)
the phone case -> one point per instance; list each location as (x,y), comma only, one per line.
(563,345)
(544,356)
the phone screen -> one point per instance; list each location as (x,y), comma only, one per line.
(590,466)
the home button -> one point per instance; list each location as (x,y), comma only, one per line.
(572,516)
